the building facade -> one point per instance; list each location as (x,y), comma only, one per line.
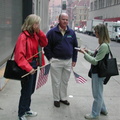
(107,10)
(54,11)
(78,12)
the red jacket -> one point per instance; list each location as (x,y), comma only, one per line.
(27,46)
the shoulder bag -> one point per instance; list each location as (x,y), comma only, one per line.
(12,70)
(108,67)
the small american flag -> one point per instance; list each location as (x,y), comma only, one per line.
(42,76)
(78,78)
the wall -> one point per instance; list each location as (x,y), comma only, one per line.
(10,22)
(40,7)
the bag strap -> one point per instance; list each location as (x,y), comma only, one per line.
(15,47)
(12,53)
(110,51)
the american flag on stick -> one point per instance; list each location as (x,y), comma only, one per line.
(42,75)
(78,78)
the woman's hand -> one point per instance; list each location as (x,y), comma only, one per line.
(36,28)
(82,50)
(86,50)
(32,71)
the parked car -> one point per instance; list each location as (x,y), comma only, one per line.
(80,30)
(75,28)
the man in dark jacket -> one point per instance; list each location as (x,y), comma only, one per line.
(62,55)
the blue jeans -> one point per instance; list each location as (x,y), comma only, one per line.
(28,87)
(97,91)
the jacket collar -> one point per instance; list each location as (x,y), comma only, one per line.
(57,29)
(27,33)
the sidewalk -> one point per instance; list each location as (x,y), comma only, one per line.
(79,96)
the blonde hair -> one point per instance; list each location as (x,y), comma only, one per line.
(103,34)
(29,22)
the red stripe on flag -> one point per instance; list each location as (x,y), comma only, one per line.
(42,76)
(78,78)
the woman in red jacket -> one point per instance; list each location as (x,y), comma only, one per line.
(26,47)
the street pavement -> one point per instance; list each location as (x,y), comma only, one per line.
(79,96)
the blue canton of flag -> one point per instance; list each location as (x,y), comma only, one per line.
(42,76)
(78,78)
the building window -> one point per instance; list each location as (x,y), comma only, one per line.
(104,3)
(109,2)
(85,11)
(80,17)
(91,6)
(112,2)
(95,5)
(84,17)
(100,3)
(118,1)
(115,2)
(80,11)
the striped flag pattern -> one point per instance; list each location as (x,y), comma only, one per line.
(42,76)
(78,78)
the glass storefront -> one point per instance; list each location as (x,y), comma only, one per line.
(10,26)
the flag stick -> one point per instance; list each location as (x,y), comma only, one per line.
(34,55)
(35,70)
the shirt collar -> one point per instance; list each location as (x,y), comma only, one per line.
(62,29)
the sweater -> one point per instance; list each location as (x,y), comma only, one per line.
(102,51)
(61,46)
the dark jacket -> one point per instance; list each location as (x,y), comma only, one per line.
(59,46)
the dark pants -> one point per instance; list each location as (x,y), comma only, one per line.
(28,87)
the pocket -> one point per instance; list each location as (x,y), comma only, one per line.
(54,59)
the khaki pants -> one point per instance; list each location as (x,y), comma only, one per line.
(60,73)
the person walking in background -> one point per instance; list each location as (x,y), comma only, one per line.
(62,55)
(26,47)
(102,52)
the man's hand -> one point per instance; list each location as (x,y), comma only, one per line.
(73,64)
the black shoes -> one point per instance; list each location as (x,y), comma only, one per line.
(57,103)
(65,102)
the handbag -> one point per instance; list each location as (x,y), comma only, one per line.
(89,73)
(108,67)
(12,70)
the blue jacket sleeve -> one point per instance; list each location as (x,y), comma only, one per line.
(75,52)
(48,48)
